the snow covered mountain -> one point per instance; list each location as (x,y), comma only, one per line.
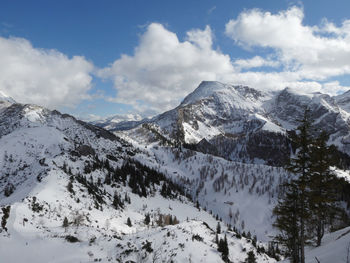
(79,193)
(5,100)
(249,129)
(123,122)
(74,192)
(243,124)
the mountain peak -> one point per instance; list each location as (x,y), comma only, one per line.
(207,89)
(5,98)
(204,90)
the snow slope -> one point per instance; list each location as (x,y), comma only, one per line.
(243,195)
(55,167)
(335,247)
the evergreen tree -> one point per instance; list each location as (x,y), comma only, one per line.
(117,201)
(128,222)
(65,223)
(108,178)
(323,193)
(286,213)
(294,209)
(147,219)
(254,240)
(223,248)
(164,190)
(70,187)
(218,228)
(251,257)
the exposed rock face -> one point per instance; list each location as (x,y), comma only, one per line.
(243,124)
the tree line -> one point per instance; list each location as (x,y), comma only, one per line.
(310,204)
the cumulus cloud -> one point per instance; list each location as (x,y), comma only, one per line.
(163,69)
(315,52)
(255,62)
(44,77)
(334,88)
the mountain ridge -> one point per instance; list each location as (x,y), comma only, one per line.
(229,118)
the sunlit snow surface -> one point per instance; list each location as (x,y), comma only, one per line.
(40,143)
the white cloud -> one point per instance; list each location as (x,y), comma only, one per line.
(270,81)
(334,88)
(315,52)
(255,62)
(44,77)
(164,69)
(211,10)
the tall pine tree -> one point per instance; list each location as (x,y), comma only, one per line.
(301,165)
(287,222)
(293,211)
(323,193)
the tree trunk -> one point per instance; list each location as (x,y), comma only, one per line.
(320,233)
(302,241)
(302,229)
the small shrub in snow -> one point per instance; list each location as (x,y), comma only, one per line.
(148,246)
(72,239)
(197,237)
(6,215)
(9,189)
(36,207)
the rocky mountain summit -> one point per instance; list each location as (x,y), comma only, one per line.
(243,124)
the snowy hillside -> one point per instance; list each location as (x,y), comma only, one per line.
(228,189)
(239,124)
(73,192)
(335,248)
(123,122)
(249,129)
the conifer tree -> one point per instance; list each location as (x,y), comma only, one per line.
(251,257)
(294,208)
(128,222)
(70,187)
(147,219)
(117,202)
(286,213)
(322,187)
(65,223)
(223,248)
(218,228)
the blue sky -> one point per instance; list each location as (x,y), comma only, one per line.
(98,58)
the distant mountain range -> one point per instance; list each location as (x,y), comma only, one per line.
(243,124)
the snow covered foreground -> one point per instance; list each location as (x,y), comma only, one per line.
(54,167)
(103,235)
(335,248)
